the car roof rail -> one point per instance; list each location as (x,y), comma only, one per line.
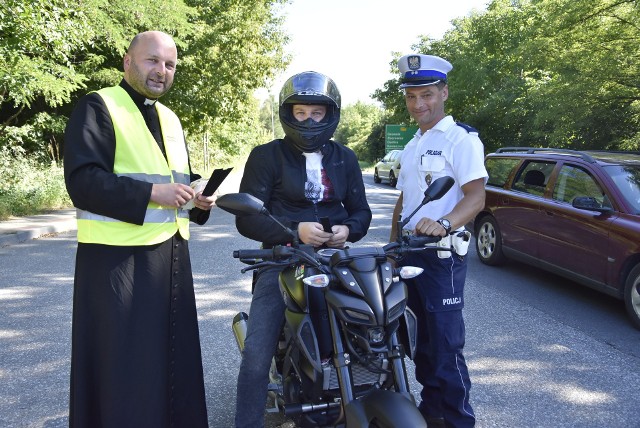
(531,150)
(615,152)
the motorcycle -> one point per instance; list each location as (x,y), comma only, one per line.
(364,304)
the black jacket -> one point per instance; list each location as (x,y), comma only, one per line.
(275,173)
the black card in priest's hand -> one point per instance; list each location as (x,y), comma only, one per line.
(217,177)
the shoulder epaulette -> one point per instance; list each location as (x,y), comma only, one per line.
(470,129)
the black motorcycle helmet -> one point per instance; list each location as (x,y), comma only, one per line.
(309,87)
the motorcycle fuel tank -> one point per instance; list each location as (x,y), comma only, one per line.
(294,290)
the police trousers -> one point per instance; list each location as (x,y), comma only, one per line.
(437,298)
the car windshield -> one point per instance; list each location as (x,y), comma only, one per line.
(627,179)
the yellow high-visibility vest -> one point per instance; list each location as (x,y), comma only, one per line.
(139,157)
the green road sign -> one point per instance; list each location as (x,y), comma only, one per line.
(397,136)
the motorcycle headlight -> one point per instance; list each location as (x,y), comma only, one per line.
(376,335)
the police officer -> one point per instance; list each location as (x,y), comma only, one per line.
(441,147)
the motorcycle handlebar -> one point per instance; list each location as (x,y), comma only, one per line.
(421,241)
(268,254)
(281,253)
(413,243)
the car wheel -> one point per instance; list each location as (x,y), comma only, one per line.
(489,242)
(632,295)
(376,177)
(392,179)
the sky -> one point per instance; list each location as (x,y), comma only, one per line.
(352,41)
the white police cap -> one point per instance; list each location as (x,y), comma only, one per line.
(422,70)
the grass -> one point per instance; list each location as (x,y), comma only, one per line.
(28,187)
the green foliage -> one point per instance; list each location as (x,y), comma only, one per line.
(36,49)
(375,144)
(238,49)
(54,51)
(28,187)
(226,144)
(269,118)
(357,123)
(391,97)
(594,74)
(37,137)
(560,73)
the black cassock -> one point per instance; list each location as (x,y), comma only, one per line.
(136,359)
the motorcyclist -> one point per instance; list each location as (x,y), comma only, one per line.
(301,179)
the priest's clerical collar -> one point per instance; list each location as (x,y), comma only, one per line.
(139,99)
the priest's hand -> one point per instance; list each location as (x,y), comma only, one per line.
(172,194)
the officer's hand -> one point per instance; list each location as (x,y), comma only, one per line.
(428,227)
(339,237)
(312,233)
(171,194)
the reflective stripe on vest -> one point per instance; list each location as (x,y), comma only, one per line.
(151,216)
(138,156)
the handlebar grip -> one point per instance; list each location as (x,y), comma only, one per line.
(421,241)
(253,254)
(278,252)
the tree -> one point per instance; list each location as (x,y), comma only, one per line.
(374,148)
(269,117)
(54,51)
(391,97)
(238,49)
(593,91)
(356,123)
(542,73)
(50,49)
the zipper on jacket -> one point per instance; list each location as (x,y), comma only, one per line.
(315,211)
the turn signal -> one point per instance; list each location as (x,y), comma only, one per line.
(407,272)
(317,280)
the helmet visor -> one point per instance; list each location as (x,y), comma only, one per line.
(310,88)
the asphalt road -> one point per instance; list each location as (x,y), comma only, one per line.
(542,351)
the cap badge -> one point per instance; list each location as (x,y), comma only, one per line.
(414,62)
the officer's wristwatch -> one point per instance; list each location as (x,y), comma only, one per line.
(446,224)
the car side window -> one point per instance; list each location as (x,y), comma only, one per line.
(533,177)
(573,182)
(627,180)
(499,170)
